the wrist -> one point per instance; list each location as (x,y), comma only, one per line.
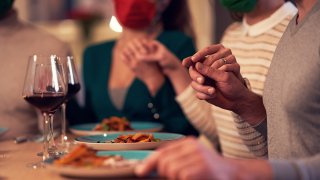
(180,80)
(253,169)
(251,108)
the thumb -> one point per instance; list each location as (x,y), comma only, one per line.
(209,72)
(148,165)
(187,62)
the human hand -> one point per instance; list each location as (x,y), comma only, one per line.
(148,72)
(215,56)
(224,89)
(195,161)
(227,92)
(168,62)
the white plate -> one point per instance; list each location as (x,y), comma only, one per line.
(112,172)
(102,142)
(87,129)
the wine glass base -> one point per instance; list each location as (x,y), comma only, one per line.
(36,165)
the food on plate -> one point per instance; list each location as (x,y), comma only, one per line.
(83,156)
(135,138)
(113,124)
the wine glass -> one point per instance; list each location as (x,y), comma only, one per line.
(73,84)
(44,87)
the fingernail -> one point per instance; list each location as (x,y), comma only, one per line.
(199,80)
(210,90)
(199,66)
(192,58)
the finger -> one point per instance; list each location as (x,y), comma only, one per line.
(208,90)
(131,50)
(222,61)
(176,166)
(148,165)
(174,146)
(210,72)
(196,76)
(202,96)
(187,62)
(200,55)
(140,46)
(126,58)
(235,68)
(173,159)
(153,45)
(216,57)
(192,173)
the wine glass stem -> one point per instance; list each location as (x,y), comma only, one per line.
(52,144)
(63,124)
(46,136)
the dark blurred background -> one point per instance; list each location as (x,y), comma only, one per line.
(82,22)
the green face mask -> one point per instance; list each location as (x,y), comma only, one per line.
(240,6)
(5,6)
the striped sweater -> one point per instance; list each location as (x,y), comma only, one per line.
(253,47)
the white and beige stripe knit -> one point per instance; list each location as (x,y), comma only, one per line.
(253,47)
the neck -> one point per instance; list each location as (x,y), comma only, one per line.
(262,10)
(304,7)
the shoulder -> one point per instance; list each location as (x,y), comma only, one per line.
(234,27)
(40,39)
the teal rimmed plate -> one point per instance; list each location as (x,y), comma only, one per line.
(105,172)
(104,142)
(87,129)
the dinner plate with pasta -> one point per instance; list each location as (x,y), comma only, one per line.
(86,162)
(128,140)
(114,125)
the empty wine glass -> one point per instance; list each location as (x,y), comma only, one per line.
(45,88)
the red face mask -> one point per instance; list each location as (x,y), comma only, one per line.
(135,14)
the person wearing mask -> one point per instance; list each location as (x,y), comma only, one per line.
(20,40)
(117,83)
(253,41)
(288,115)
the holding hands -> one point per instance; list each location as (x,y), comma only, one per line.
(149,72)
(216,78)
(150,60)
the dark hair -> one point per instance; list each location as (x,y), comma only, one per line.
(177,17)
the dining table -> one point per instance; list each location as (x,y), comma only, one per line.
(16,163)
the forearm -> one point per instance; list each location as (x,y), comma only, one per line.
(251,169)
(199,113)
(179,79)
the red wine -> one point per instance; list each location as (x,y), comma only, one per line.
(72,90)
(46,102)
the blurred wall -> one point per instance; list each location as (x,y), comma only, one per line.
(203,21)
(71,31)
(222,20)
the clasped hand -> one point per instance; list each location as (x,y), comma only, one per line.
(216,77)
